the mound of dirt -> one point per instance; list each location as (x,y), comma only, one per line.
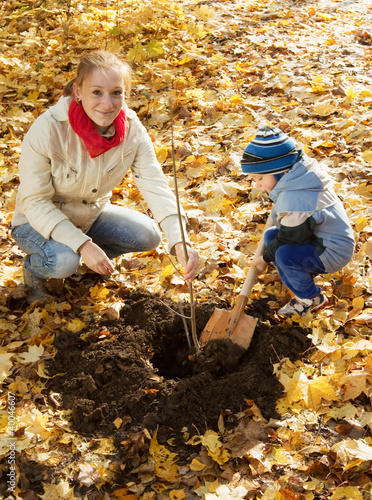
(140,369)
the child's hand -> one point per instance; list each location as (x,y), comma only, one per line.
(260,264)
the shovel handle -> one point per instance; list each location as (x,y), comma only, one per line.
(238,310)
(253,271)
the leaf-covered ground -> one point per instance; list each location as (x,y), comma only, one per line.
(223,67)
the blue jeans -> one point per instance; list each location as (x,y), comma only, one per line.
(297,264)
(117,230)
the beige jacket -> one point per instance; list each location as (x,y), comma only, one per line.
(63,190)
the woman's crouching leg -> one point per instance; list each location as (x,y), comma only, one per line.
(45,258)
(119,230)
(56,261)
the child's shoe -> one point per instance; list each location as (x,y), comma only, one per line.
(303,306)
(36,287)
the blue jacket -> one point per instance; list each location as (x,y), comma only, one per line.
(307,210)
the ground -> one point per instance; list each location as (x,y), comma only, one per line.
(140,369)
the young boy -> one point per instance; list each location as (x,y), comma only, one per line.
(312,234)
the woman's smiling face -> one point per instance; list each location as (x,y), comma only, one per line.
(102,96)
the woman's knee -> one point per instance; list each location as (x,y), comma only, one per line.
(60,265)
(149,239)
(67,264)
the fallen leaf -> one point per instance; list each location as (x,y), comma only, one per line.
(5,365)
(33,354)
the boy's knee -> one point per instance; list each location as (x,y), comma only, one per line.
(283,255)
(270,234)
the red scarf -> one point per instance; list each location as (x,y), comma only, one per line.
(83,126)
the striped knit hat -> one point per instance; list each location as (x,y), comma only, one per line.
(270,152)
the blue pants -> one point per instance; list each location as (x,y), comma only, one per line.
(296,265)
(117,230)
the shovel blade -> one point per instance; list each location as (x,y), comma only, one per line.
(217,328)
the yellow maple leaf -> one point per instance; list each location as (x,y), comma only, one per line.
(167,270)
(212,277)
(75,325)
(311,392)
(235,100)
(150,495)
(185,60)
(165,466)
(7,326)
(327,17)
(368,365)
(351,450)
(33,95)
(137,53)
(5,365)
(364,317)
(328,144)
(36,423)
(280,456)
(358,303)
(177,494)
(117,422)
(196,465)
(296,386)
(363,188)
(346,493)
(352,348)
(161,154)
(361,223)
(60,491)
(204,12)
(355,383)
(99,292)
(330,41)
(351,94)
(367,156)
(319,389)
(317,84)
(120,494)
(154,48)
(272,494)
(33,354)
(324,109)
(214,447)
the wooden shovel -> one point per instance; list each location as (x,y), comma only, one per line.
(235,325)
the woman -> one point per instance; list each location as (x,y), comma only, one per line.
(72,157)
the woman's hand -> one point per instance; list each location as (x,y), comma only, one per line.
(95,258)
(260,264)
(192,264)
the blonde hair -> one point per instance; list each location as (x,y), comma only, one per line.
(102,60)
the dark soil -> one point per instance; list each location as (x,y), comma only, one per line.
(141,370)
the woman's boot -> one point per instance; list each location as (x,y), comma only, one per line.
(36,287)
